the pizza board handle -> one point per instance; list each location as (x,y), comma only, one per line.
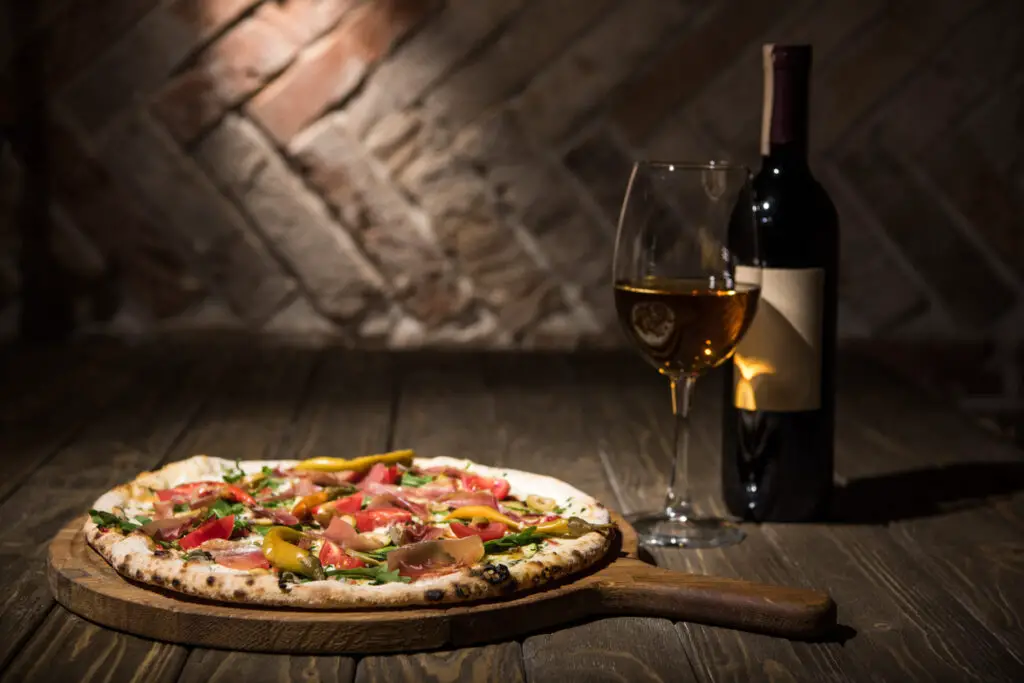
(637,588)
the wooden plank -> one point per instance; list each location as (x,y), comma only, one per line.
(136,432)
(67,648)
(218,666)
(246,413)
(931,476)
(633,428)
(345,412)
(50,397)
(620,649)
(471,664)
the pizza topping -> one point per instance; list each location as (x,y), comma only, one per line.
(498,486)
(487,531)
(370,519)
(381,474)
(220,527)
(484,513)
(412,480)
(242,559)
(163,509)
(201,490)
(168,528)
(387,500)
(331,478)
(427,557)
(361,464)
(345,535)
(414,533)
(331,554)
(378,574)
(527,536)
(541,504)
(461,499)
(304,508)
(280,547)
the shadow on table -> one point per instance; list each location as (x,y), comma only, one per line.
(924,493)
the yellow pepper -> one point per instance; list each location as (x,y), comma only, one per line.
(303,509)
(490,514)
(556,527)
(360,464)
(280,550)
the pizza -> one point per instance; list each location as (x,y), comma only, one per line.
(385,530)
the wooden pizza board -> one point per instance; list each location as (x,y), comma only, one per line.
(83,582)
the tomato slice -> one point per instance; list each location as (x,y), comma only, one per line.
(332,554)
(349,504)
(368,520)
(498,486)
(382,474)
(215,528)
(487,531)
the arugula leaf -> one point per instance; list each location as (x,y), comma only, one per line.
(172,545)
(180,507)
(268,471)
(222,508)
(107,519)
(414,480)
(378,574)
(527,536)
(236,475)
(143,520)
(374,556)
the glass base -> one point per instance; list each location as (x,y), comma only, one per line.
(684,531)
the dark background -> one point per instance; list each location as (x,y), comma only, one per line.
(411,173)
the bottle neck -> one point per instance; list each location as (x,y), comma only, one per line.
(786,101)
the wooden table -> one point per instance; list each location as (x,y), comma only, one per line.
(925,558)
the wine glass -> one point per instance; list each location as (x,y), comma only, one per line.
(687,280)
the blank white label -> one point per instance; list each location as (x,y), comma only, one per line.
(777,365)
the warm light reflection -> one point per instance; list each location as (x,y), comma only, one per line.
(749,369)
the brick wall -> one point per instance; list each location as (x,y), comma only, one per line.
(419,172)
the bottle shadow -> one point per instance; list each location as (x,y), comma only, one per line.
(889,498)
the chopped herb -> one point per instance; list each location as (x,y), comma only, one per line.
(382,553)
(527,536)
(558,510)
(413,480)
(192,555)
(236,475)
(108,519)
(180,507)
(222,508)
(378,574)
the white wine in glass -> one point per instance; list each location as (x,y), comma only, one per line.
(685,300)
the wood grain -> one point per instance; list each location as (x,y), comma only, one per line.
(67,648)
(599,652)
(343,411)
(219,666)
(128,439)
(632,429)
(502,662)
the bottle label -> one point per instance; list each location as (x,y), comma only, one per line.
(777,365)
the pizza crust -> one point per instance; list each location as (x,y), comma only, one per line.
(136,556)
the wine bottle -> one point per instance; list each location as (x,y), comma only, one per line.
(778,418)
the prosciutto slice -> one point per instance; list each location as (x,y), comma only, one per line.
(332,478)
(279,516)
(245,559)
(430,557)
(467,498)
(345,535)
(389,496)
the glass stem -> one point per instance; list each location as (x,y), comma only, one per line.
(677,498)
